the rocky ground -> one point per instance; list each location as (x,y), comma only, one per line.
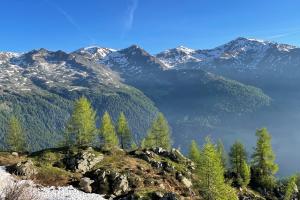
(88,174)
(139,174)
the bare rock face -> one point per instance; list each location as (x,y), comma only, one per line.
(83,161)
(110,182)
(85,184)
(120,185)
(26,169)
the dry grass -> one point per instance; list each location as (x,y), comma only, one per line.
(8,159)
(17,191)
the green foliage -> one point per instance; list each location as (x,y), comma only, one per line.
(159,134)
(194,152)
(124,133)
(290,188)
(238,164)
(44,113)
(15,135)
(211,175)
(245,174)
(264,167)
(108,133)
(222,152)
(82,124)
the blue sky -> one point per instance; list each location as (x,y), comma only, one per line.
(153,24)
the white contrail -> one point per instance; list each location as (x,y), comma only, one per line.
(282,35)
(70,19)
(129,19)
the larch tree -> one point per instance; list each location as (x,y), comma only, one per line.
(124,133)
(194,152)
(211,171)
(263,161)
(15,137)
(81,126)
(108,132)
(238,164)
(159,134)
(222,152)
(291,188)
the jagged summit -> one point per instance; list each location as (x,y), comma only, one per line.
(243,53)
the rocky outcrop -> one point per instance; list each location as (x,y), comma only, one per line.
(83,161)
(110,182)
(25,169)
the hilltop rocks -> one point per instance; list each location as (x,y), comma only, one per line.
(83,161)
(110,182)
(26,169)
(174,154)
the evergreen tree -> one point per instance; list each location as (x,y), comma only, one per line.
(194,153)
(15,136)
(211,171)
(108,133)
(159,134)
(124,133)
(291,188)
(238,164)
(264,167)
(222,152)
(245,175)
(82,123)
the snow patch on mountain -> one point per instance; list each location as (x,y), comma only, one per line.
(95,51)
(238,51)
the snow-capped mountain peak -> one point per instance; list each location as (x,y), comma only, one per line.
(239,50)
(95,51)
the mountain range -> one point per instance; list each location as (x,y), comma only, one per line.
(236,87)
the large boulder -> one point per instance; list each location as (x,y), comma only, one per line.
(120,185)
(26,169)
(85,184)
(110,182)
(83,161)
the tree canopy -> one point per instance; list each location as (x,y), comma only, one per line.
(108,132)
(159,134)
(15,135)
(263,160)
(81,126)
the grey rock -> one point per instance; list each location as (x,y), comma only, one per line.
(120,185)
(83,161)
(110,182)
(15,154)
(26,169)
(85,184)
(187,182)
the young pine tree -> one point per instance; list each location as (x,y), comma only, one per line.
(238,164)
(194,152)
(159,134)
(264,167)
(222,152)
(15,136)
(211,171)
(82,123)
(124,133)
(291,188)
(108,133)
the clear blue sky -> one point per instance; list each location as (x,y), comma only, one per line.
(153,24)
